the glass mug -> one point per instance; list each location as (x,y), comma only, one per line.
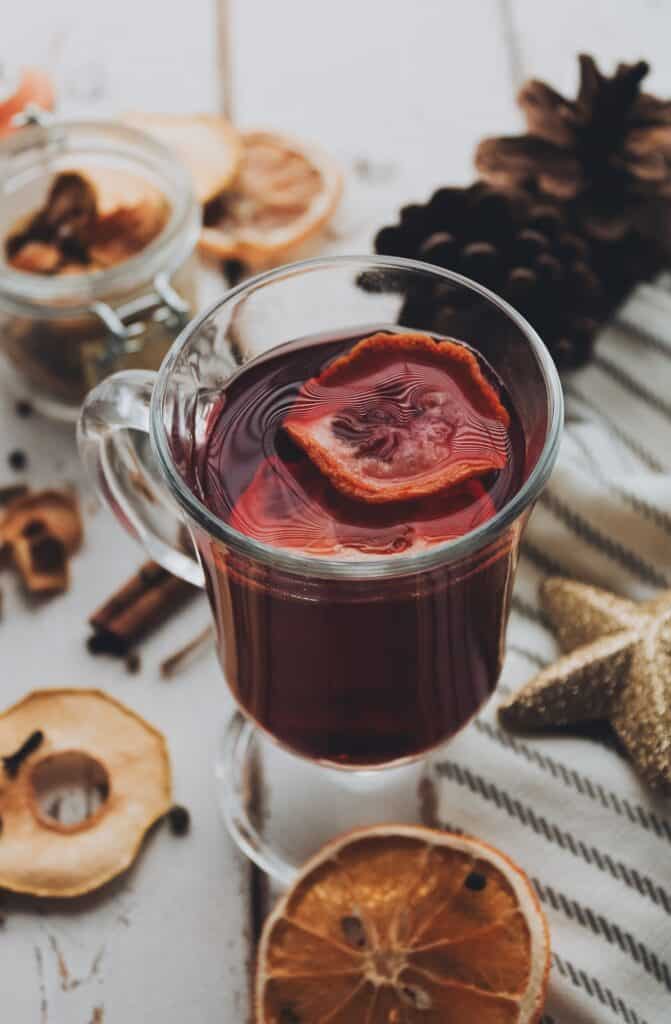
(339,667)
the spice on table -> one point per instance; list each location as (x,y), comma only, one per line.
(139,606)
(12,762)
(179,820)
(23,408)
(17,459)
(234,271)
(188,653)
(133,662)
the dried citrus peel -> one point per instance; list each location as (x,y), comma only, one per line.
(400,416)
(44,857)
(406,925)
(284,192)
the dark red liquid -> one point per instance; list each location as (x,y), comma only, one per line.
(360,671)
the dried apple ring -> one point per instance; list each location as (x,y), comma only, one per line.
(56,733)
(401,416)
(42,529)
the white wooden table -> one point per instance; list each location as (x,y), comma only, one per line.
(400,93)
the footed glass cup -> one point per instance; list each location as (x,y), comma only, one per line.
(347,674)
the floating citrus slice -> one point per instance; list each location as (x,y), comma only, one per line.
(283,194)
(291,505)
(405,925)
(400,416)
(207,144)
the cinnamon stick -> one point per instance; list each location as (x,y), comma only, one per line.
(143,603)
(186,654)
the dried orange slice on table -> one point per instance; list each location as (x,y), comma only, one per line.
(282,196)
(405,925)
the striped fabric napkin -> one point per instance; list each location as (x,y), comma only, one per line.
(595,842)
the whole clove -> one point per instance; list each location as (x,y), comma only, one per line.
(12,762)
(179,820)
(17,459)
(24,408)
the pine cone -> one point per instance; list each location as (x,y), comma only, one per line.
(608,152)
(523,248)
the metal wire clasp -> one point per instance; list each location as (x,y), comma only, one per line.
(166,305)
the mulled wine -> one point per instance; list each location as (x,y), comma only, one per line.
(375,444)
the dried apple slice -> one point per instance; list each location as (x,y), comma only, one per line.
(400,416)
(291,505)
(207,144)
(42,529)
(66,737)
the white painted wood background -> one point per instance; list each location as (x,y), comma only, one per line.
(402,91)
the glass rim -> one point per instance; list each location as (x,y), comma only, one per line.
(385,566)
(65,296)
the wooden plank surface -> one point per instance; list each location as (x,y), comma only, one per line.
(400,94)
(549,35)
(170,941)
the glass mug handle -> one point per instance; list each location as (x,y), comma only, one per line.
(113,438)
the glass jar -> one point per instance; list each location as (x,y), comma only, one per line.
(61,335)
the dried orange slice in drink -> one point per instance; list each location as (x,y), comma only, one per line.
(400,416)
(405,925)
(283,194)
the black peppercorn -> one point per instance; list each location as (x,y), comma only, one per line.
(17,459)
(475,882)
(179,820)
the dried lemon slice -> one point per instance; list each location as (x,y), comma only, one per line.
(283,194)
(51,733)
(400,416)
(208,145)
(405,925)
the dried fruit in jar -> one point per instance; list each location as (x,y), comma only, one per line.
(91,220)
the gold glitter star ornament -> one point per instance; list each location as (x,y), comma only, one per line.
(617,666)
